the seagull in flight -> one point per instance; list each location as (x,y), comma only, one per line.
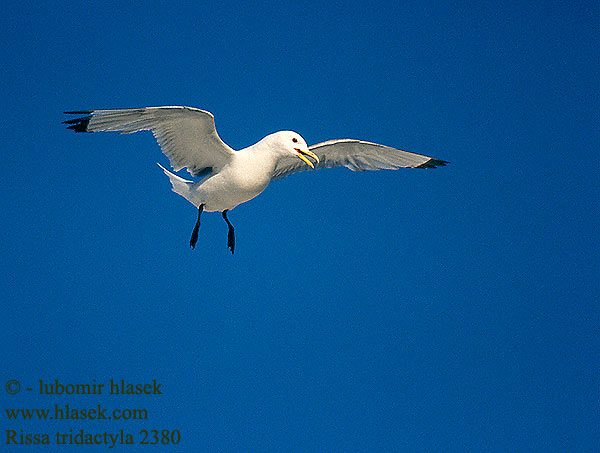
(187,136)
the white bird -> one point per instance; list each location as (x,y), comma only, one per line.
(187,136)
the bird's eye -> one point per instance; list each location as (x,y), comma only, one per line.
(295,140)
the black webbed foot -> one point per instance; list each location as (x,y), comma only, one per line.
(230,233)
(194,237)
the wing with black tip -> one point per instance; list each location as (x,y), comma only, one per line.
(357,155)
(186,135)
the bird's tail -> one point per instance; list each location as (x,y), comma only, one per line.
(181,186)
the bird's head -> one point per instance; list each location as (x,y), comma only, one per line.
(292,144)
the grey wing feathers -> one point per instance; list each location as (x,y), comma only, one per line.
(186,135)
(357,155)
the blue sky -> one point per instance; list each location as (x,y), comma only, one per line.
(453,309)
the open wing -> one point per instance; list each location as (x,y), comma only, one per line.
(186,135)
(357,155)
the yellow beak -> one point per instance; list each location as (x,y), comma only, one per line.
(302,153)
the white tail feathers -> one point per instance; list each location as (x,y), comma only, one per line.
(181,186)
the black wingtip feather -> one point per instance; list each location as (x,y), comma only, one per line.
(78,124)
(433,163)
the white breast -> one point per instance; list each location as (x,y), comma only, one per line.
(242,179)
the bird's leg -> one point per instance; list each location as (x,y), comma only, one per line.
(194,237)
(230,234)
